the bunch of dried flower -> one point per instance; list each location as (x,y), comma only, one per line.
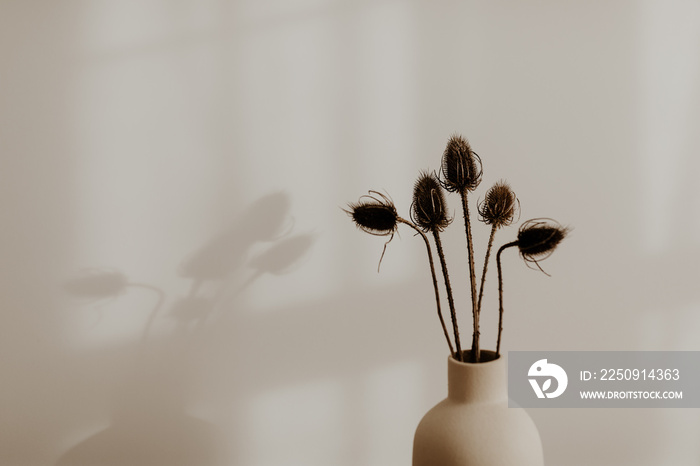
(461,171)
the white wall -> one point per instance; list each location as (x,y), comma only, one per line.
(180,286)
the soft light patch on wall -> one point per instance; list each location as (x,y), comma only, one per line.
(288,424)
(295,77)
(391,395)
(670,72)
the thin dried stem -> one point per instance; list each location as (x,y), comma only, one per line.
(435,282)
(500,293)
(486,265)
(472,277)
(450,300)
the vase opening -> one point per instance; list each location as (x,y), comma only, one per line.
(485,356)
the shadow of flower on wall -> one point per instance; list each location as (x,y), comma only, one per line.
(267,219)
(149,424)
(96,284)
(279,259)
(101,284)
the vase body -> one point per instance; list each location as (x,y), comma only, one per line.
(474,426)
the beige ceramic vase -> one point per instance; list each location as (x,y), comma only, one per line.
(474,426)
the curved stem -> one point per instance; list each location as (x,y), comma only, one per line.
(483,280)
(152,316)
(500,293)
(450,300)
(435,282)
(472,277)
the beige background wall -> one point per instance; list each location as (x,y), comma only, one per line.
(179,285)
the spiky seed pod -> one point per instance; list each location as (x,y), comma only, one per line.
(461,166)
(374,214)
(429,208)
(499,207)
(537,238)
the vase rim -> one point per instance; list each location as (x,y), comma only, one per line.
(493,358)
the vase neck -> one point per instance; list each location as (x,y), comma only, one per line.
(483,382)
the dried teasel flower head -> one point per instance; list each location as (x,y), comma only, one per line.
(500,205)
(537,239)
(375,214)
(429,208)
(461,166)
